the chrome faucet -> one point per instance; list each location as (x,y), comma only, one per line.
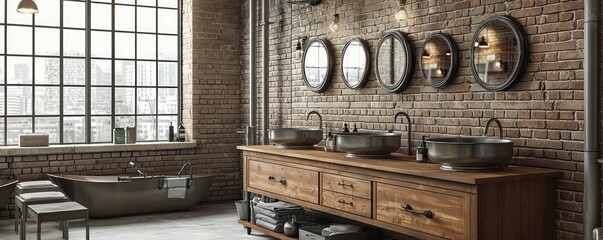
(317,114)
(409,128)
(141,173)
(190,172)
(500,129)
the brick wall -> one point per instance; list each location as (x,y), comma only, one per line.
(542,113)
(211,111)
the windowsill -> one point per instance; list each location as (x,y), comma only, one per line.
(95,148)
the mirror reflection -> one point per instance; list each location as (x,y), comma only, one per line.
(496,53)
(317,65)
(439,60)
(354,63)
(391,61)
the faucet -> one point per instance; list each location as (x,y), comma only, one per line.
(409,128)
(317,114)
(141,173)
(500,129)
(190,172)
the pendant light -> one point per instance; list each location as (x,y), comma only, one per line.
(335,24)
(402,14)
(27,6)
(483,43)
(299,52)
(448,53)
(426,54)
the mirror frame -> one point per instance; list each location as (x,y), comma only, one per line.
(410,62)
(522,44)
(454,64)
(367,65)
(330,62)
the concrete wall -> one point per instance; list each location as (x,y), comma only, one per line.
(542,113)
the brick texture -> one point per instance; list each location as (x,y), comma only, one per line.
(542,113)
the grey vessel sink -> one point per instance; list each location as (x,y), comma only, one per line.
(470,153)
(367,144)
(295,138)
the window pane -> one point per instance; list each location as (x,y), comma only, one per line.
(50,126)
(164,126)
(124,100)
(74,43)
(74,101)
(168,74)
(145,103)
(101,16)
(1,39)
(146,128)
(168,21)
(14,16)
(101,44)
(101,72)
(168,47)
(168,3)
(123,121)
(100,100)
(48,41)
(1,21)
(16,126)
(74,130)
(1,102)
(124,18)
(1,131)
(48,101)
(47,71)
(124,73)
(146,19)
(20,40)
(147,2)
(74,71)
(131,2)
(146,46)
(2,70)
(125,45)
(168,101)
(146,74)
(19,70)
(101,129)
(19,100)
(49,13)
(76,17)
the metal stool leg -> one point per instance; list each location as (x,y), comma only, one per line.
(24,222)
(17,215)
(40,230)
(87,227)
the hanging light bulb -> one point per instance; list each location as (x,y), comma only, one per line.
(299,53)
(27,6)
(426,54)
(476,44)
(401,14)
(335,24)
(439,72)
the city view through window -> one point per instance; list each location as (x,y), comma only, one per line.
(51,82)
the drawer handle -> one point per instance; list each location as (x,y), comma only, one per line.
(283,182)
(347,203)
(427,214)
(345,185)
(273,179)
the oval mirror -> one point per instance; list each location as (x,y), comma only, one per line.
(498,53)
(355,62)
(317,65)
(394,62)
(439,60)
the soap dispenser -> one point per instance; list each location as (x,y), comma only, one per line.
(422,151)
(330,143)
(355,129)
(345,127)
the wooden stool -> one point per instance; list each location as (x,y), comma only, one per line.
(24,200)
(36,186)
(61,212)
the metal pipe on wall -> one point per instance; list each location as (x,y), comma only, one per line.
(592,117)
(251,131)
(265,69)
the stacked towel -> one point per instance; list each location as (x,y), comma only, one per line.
(273,216)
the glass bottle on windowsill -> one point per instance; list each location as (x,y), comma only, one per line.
(181,133)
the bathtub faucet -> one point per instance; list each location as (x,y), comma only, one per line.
(190,172)
(141,173)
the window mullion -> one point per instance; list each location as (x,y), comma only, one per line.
(88,76)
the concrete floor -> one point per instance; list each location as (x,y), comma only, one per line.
(204,222)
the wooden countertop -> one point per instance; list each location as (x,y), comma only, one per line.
(405,164)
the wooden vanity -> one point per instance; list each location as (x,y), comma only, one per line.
(402,195)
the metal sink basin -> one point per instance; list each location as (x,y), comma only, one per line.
(367,144)
(295,138)
(470,153)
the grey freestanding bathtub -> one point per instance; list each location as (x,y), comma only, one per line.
(108,196)
(6,189)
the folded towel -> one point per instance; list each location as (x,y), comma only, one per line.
(279,206)
(176,187)
(281,220)
(272,227)
(280,214)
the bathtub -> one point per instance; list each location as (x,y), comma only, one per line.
(6,190)
(109,196)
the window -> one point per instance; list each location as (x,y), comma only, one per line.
(77,80)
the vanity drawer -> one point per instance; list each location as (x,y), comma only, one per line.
(347,203)
(347,185)
(287,181)
(448,217)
